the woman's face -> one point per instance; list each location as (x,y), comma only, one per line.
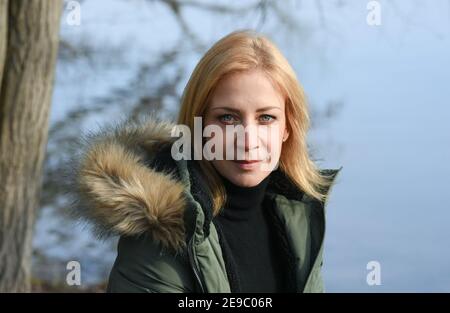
(250,100)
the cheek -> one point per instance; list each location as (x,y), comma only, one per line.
(273,140)
(274,145)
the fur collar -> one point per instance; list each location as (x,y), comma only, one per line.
(115,188)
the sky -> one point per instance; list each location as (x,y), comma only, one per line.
(391,135)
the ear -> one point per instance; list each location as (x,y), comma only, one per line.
(285,135)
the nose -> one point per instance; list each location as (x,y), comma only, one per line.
(247,148)
(251,137)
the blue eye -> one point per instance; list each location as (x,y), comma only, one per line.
(267,118)
(226,118)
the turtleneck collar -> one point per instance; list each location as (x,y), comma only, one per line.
(243,201)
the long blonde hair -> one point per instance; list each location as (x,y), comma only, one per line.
(242,51)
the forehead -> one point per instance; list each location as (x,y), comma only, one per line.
(250,89)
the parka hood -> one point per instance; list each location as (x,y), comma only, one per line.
(124,182)
(115,188)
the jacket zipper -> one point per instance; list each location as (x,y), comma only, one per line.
(194,264)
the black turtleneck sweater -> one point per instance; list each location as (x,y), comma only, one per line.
(249,240)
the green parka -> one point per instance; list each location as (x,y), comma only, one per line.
(127,184)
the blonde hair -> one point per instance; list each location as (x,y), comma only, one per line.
(245,50)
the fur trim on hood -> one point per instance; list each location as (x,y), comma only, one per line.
(114,187)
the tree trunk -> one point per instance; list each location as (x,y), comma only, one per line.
(32,29)
(3,34)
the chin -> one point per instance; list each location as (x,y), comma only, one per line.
(246,179)
(240,177)
(246,183)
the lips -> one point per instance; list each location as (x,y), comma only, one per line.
(247,161)
(247,165)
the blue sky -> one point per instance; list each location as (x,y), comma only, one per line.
(392,136)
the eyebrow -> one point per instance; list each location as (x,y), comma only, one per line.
(236,110)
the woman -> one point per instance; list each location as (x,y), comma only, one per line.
(253,223)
